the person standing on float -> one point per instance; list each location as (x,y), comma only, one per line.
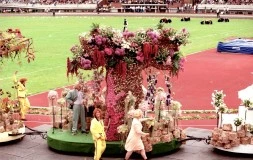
(98,133)
(75,98)
(133,141)
(22,95)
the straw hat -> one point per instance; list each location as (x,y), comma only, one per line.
(22,80)
(138,113)
(160,89)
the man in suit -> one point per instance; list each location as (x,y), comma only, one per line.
(75,98)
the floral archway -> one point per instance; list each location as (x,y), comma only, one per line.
(124,56)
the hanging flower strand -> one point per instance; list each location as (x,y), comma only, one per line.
(168,85)
(152,81)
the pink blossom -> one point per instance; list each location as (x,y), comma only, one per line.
(120,51)
(103,40)
(155,40)
(168,61)
(140,58)
(85,63)
(108,51)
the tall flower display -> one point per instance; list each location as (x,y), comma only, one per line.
(125,55)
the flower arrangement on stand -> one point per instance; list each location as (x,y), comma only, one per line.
(175,107)
(237,122)
(219,104)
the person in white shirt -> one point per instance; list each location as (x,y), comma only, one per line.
(75,98)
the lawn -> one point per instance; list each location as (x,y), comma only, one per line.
(54,36)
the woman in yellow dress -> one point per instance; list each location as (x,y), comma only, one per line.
(22,96)
(98,133)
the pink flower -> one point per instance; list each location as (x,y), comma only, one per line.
(85,63)
(120,51)
(168,61)
(140,58)
(108,51)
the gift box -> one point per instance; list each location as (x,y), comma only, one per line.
(166,138)
(176,133)
(1,123)
(20,124)
(232,135)
(227,127)
(219,144)
(251,140)
(2,129)
(8,127)
(157,133)
(227,146)
(183,135)
(65,126)
(224,137)
(148,147)
(212,142)
(245,140)
(215,135)
(155,140)
(171,126)
(56,124)
(14,131)
(164,132)
(241,133)
(235,142)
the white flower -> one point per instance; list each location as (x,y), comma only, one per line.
(125,44)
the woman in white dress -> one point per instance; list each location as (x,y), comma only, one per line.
(134,142)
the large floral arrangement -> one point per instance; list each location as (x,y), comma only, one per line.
(124,55)
(13,43)
(106,46)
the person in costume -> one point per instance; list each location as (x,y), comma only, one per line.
(98,133)
(133,141)
(22,95)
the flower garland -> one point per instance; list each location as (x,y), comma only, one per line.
(151,89)
(168,85)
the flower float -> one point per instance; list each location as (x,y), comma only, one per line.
(124,56)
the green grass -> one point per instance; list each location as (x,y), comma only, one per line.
(54,36)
